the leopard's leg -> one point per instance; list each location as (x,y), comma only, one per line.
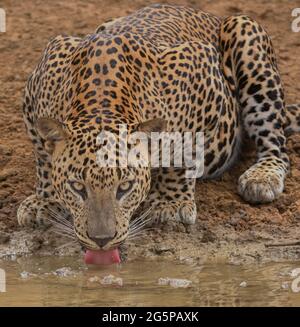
(251,69)
(172,196)
(36,209)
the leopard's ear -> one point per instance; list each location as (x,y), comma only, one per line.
(153,125)
(51,131)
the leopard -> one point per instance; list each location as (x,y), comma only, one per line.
(163,68)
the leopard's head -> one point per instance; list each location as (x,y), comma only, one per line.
(101,199)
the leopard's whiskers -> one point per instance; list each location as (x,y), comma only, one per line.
(65,245)
(61,225)
(138,227)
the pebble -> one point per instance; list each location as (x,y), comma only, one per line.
(111,280)
(94,279)
(64,272)
(24,274)
(107,280)
(243,284)
(174,282)
(186,260)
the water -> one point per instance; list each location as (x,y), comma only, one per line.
(211,284)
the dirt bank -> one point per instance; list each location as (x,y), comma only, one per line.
(227,228)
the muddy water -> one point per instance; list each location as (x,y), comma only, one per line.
(66,281)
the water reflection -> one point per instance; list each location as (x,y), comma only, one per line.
(212,284)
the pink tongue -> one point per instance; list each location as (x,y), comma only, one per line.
(101,257)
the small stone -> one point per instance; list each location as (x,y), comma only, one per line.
(94,279)
(243,284)
(24,274)
(64,272)
(186,260)
(112,280)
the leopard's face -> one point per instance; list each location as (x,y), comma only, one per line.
(101,200)
(101,197)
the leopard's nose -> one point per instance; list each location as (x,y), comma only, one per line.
(101,241)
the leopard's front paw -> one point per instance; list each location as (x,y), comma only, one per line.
(35,211)
(261,185)
(181,211)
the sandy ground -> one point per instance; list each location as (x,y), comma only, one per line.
(227,228)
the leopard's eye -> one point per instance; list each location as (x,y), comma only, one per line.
(124,188)
(78,187)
